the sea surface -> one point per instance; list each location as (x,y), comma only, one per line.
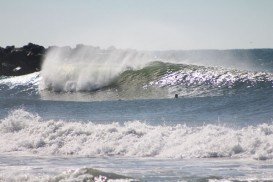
(80,121)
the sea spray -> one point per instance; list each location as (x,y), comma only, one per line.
(87,68)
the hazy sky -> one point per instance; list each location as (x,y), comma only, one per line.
(140,24)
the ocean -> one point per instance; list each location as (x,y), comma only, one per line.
(112,119)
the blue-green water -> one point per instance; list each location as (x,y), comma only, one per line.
(220,126)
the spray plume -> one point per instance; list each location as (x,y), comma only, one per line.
(87,68)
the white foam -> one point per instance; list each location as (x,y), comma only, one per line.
(24,132)
(24,80)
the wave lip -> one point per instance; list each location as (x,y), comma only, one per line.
(24,132)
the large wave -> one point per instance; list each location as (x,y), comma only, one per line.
(24,132)
(107,74)
(154,80)
(91,68)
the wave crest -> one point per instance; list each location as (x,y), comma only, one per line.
(86,68)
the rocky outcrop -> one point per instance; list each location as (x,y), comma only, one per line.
(19,61)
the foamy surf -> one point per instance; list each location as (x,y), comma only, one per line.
(75,175)
(27,133)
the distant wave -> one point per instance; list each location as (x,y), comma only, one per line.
(24,132)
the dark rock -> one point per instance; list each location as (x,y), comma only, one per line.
(23,60)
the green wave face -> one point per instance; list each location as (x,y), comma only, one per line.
(132,84)
(159,79)
(145,75)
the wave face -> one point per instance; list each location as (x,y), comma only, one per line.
(192,80)
(24,132)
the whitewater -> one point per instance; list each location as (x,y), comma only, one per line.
(110,114)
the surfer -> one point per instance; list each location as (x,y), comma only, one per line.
(176,96)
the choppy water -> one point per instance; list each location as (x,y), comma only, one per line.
(64,126)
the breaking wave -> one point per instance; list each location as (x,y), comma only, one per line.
(86,68)
(109,74)
(27,133)
(130,72)
(154,80)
